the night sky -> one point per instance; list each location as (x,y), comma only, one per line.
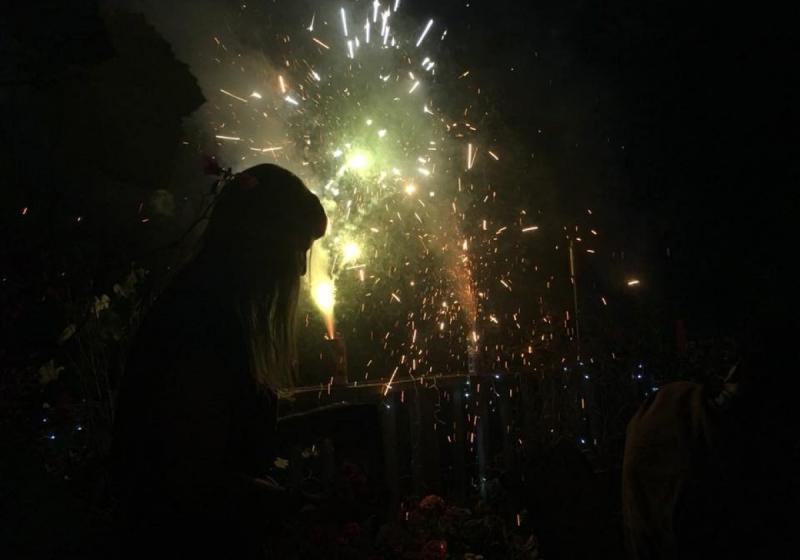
(675,121)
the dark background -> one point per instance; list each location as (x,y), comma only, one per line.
(674,120)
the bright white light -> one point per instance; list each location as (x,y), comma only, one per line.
(324,293)
(425,32)
(358,160)
(350,252)
(344,22)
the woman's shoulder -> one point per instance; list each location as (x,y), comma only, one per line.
(186,324)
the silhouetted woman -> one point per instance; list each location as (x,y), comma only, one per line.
(197,408)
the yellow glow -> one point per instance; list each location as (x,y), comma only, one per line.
(321,287)
(411,188)
(324,294)
(350,251)
(358,161)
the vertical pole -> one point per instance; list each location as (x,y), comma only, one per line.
(414,400)
(459,443)
(584,428)
(482,434)
(574,281)
(390,449)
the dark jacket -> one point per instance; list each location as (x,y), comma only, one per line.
(193,434)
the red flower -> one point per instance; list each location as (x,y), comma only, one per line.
(434,550)
(431,501)
(351,530)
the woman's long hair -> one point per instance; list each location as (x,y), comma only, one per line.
(259,233)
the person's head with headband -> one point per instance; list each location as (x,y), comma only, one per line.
(261,228)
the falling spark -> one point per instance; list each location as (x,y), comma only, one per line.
(530,228)
(491,153)
(292,100)
(320,43)
(344,21)
(414,87)
(389,384)
(424,32)
(234,96)
(474,157)
(384,21)
(234,138)
(255,95)
(633,282)
(282,84)
(311,27)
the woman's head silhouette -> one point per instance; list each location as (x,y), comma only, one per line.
(254,249)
